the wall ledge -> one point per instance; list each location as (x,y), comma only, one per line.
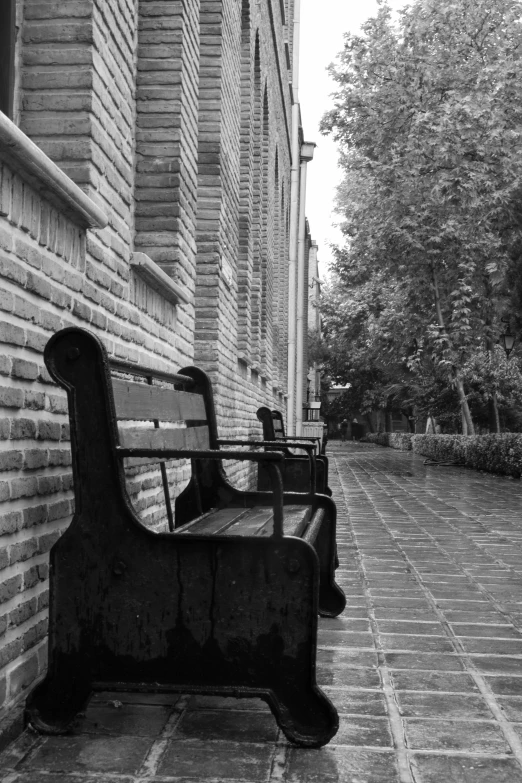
(156,278)
(26,158)
(244,358)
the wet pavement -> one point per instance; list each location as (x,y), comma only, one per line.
(424,665)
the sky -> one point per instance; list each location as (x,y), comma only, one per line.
(323,24)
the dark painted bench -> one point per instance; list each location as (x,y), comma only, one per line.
(296,468)
(225,604)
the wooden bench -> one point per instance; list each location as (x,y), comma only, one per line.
(296,470)
(225,604)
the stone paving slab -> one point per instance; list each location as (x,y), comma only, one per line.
(424,666)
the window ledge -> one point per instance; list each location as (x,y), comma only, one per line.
(157,279)
(26,158)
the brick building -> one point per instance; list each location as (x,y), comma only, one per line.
(146,158)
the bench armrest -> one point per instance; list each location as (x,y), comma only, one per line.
(273,444)
(287,438)
(297,444)
(270,457)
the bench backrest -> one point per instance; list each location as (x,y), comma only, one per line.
(108,409)
(279,424)
(279,430)
(159,400)
(265,416)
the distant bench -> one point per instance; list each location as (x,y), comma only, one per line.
(226,603)
(296,470)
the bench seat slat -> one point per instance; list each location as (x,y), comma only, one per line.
(259,521)
(256,521)
(138,401)
(213,522)
(140,438)
(296,519)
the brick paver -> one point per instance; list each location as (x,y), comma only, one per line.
(424,666)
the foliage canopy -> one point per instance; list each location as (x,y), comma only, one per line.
(428,115)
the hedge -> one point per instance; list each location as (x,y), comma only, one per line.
(493,453)
(396,440)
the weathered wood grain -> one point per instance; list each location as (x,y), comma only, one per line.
(138,401)
(141,438)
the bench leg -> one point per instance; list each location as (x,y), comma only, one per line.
(322,477)
(53,705)
(306,716)
(332,600)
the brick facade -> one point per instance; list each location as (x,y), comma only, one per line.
(173,117)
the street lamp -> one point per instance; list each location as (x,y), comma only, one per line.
(507,341)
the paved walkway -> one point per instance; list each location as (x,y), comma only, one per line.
(424,666)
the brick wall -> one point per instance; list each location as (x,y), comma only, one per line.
(35,484)
(170,115)
(166,135)
(250,69)
(45,285)
(243,127)
(260,130)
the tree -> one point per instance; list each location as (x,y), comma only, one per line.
(428,114)
(365,342)
(489,374)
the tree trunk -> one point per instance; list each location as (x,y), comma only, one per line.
(493,417)
(466,413)
(496,413)
(369,422)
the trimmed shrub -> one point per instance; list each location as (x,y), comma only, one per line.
(440,448)
(400,440)
(380,438)
(493,453)
(395,440)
